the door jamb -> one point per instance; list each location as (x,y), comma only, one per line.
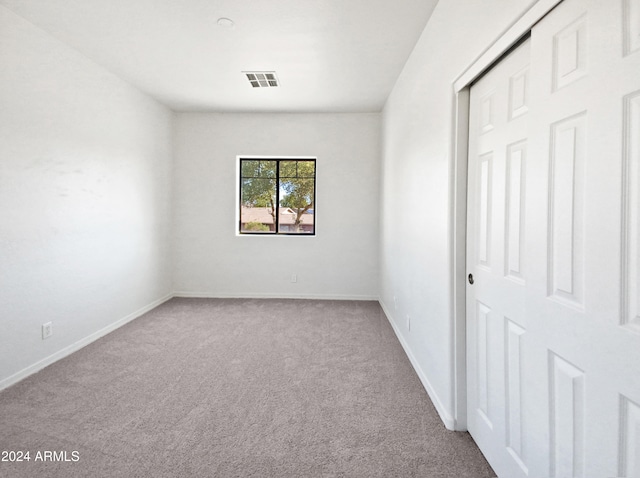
(461,89)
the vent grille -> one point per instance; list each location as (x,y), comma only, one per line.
(262,79)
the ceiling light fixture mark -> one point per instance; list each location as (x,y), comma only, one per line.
(226,23)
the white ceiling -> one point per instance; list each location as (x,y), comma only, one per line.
(329,55)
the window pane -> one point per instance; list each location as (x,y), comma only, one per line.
(296,192)
(258,192)
(256,219)
(258,169)
(297,169)
(306,169)
(288,169)
(296,220)
(296,205)
(257,209)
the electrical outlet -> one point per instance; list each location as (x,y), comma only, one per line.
(47,330)
(395,302)
(408,322)
(294,277)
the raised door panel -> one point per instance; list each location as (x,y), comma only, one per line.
(484,212)
(629,456)
(631,215)
(569,53)
(519,94)
(513,392)
(566,206)
(515,214)
(631,19)
(567,410)
(483,348)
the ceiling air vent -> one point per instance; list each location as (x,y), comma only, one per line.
(262,79)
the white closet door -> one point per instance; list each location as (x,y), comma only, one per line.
(498,145)
(554,313)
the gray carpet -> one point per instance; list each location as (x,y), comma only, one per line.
(236,388)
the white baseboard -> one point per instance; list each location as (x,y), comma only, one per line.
(210,295)
(445,416)
(60,354)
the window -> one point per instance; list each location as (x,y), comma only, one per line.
(277,196)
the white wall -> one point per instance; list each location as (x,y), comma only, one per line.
(341,261)
(85,199)
(416,192)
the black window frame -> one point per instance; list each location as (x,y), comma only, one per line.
(276,231)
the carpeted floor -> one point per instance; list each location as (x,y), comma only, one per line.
(236,388)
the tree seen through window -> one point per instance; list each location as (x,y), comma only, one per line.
(277,196)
